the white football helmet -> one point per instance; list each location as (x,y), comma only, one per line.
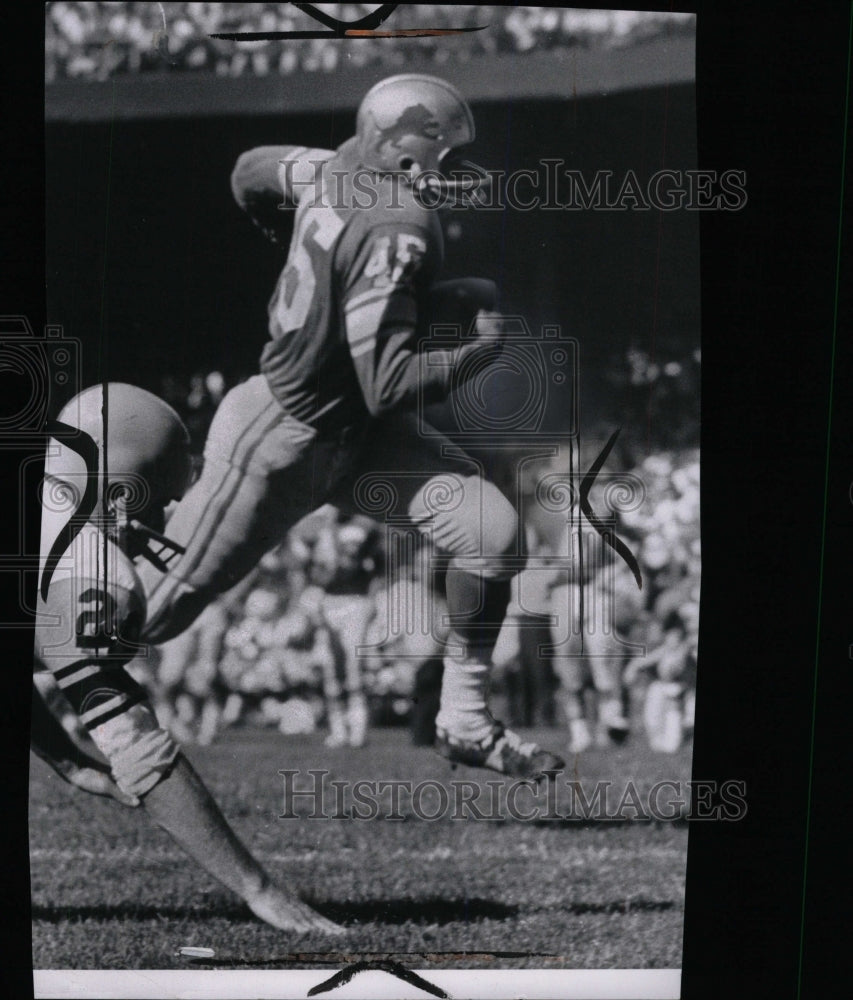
(124,455)
(413,124)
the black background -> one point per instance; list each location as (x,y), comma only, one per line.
(771,91)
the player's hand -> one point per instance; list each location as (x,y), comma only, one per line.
(489,324)
(96,782)
(489,332)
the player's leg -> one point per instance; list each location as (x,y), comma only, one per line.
(508,663)
(331,664)
(183,807)
(569,664)
(605,669)
(663,715)
(208,726)
(580,735)
(663,710)
(262,472)
(210,628)
(469,519)
(148,765)
(348,616)
(570,674)
(328,656)
(50,742)
(604,655)
(358,714)
(482,534)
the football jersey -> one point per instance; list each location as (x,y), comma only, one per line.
(343,319)
(90,610)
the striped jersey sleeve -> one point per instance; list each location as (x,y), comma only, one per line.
(385,285)
(386,306)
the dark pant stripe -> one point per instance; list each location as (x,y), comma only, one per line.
(129,701)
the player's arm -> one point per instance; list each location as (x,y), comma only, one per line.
(267,179)
(392,269)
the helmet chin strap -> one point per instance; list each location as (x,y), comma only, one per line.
(136,538)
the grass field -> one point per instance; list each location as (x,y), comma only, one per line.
(110,891)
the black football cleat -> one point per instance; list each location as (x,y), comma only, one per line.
(502,751)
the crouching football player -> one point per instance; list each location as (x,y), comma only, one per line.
(120,456)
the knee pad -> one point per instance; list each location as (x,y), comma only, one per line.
(139,751)
(481,532)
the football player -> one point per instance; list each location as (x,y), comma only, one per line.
(121,457)
(611,610)
(340,557)
(340,379)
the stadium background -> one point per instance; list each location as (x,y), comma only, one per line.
(155,270)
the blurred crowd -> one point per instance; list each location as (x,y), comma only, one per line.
(340,628)
(584,647)
(95,40)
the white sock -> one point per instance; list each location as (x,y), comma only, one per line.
(610,712)
(357,718)
(580,736)
(662,716)
(337,722)
(464,692)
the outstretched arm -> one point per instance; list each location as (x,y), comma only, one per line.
(268,179)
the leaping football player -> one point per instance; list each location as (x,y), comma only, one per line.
(122,456)
(336,396)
